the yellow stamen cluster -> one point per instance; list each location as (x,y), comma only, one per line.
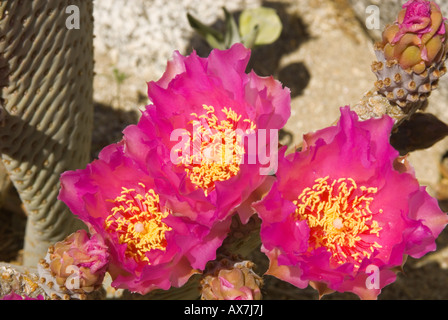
(217,145)
(338,214)
(137,221)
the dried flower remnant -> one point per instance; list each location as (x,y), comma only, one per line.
(324,224)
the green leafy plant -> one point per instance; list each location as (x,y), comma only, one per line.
(119,78)
(256,27)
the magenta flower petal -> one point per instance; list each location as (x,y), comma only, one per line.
(420,17)
(174,67)
(15,296)
(339,207)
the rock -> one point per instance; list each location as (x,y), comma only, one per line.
(138,39)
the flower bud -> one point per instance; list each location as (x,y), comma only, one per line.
(229,280)
(75,266)
(412,53)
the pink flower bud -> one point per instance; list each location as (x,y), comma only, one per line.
(232,281)
(88,255)
(418,37)
(75,266)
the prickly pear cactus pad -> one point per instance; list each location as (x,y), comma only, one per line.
(46,92)
(269,159)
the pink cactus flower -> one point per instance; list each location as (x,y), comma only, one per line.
(344,206)
(151,245)
(15,296)
(420,17)
(214,128)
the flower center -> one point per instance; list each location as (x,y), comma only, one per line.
(217,145)
(137,221)
(339,217)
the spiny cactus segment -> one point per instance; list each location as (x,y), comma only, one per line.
(411,54)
